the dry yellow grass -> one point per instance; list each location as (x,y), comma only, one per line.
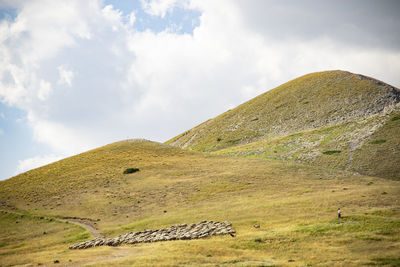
(295,206)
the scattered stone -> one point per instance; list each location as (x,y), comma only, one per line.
(175,232)
(256,226)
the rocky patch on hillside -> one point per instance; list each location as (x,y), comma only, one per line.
(175,232)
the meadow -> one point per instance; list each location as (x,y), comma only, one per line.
(294,204)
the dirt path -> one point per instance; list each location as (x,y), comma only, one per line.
(95,232)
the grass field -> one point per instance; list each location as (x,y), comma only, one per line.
(294,204)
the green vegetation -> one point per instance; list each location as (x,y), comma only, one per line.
(131,170)
(372,159)
(384,159)
(234,141)
(379,141)
(385,261)
(330,152)
(354,224)
(27,236)
(395,118)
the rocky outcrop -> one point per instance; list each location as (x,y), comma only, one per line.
(175,232)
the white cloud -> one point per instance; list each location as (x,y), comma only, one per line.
(124,83)
(44,90)
(65,75)
(61,138)
(158,7)
(85,45)
(132,19)
(11,3)
(2,116)
(35,162)
(1,132)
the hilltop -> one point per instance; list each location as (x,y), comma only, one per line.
(334,118)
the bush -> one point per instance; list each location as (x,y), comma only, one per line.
(379,141)
(131,170)
(395,118)
(234,141)
(330,152)
(258,240)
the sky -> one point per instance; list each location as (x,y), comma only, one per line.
(76,75)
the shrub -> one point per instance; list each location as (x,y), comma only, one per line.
(131,170)
(395,118)
(379,141)
(234,141)
(258,240)
(330,152)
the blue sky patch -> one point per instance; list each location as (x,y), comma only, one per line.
(179,20)
(8,14)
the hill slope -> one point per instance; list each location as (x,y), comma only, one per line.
(295,206)
(241,181)
(359,106)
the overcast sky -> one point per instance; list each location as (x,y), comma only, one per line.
(75,75)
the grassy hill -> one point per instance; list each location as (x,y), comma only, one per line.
(370,146)
(308,118)
(286,161)
(294,204)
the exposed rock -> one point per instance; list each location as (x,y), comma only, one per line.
(175,232)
